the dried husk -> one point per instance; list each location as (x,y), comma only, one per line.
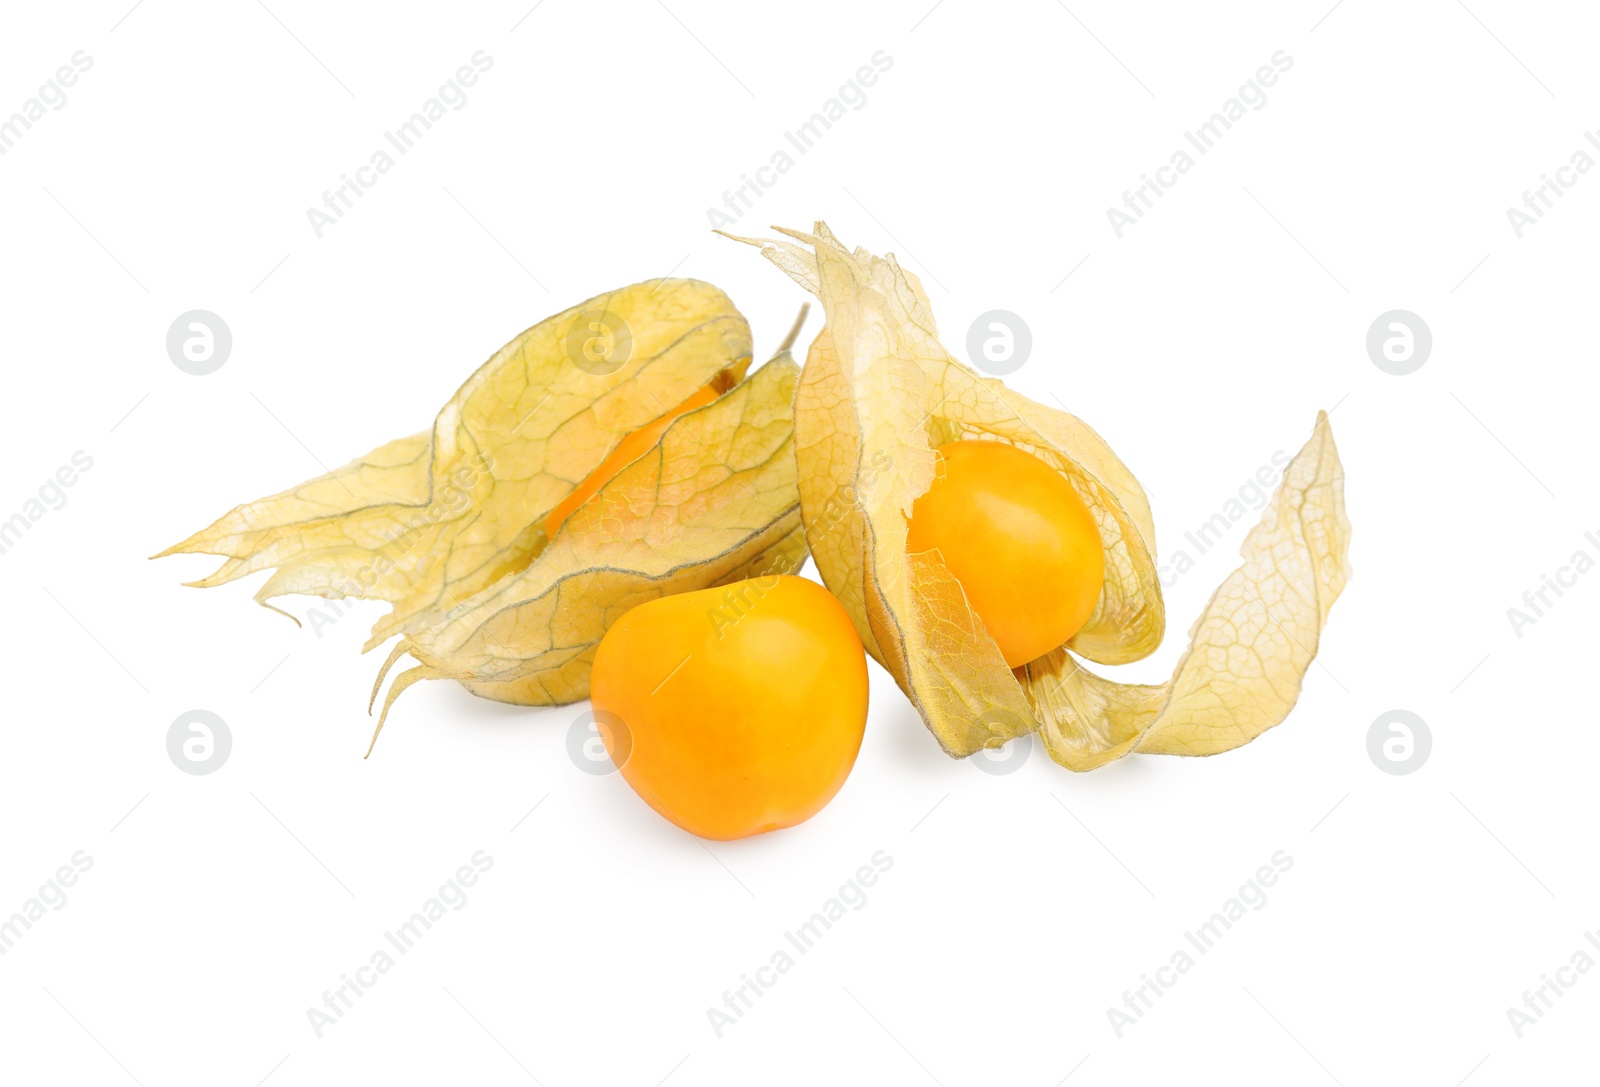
(715,502)
(426,521)
(879,394)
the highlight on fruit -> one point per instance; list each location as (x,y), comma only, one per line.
(615,505)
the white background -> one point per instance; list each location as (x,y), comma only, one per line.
(1019,906)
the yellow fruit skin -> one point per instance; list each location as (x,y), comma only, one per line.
(735,710)
(1020,541)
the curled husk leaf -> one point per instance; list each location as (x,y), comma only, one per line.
(879,394)
(426,522)
(715,502)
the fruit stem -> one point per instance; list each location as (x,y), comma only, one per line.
(794,331)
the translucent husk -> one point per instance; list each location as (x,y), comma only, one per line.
(448,524)
(428,520)
(715,502)
(879,394)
